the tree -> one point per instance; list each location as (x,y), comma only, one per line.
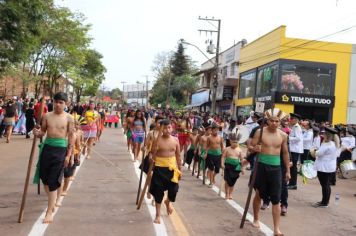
(88,77)
(20,29)
(178,69)
(180,65)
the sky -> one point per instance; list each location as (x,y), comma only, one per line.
(131,33)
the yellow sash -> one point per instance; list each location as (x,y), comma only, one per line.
(171,163)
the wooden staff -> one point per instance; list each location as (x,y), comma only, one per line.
(199,161)
(222,181)
(204,163)
(141,174)
(29,167)
(253,180)
(149,173)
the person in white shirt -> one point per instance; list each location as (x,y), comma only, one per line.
(347,145)
(307,140)
(252,121)
(325,165)
(295,147)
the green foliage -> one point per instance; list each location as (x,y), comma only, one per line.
(178,69)
(50,42)
(20,28)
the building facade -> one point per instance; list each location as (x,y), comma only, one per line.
(135,95)
(301,76)
(227,82)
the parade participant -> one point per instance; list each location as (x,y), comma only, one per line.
(90,127)
(268,178)
(307,140)
(37,109)
(166,172)
(9,119)
(128,128)
(252,120)
(183,127)
(215,147)
(227,131)
(347,145)
(55,151)
(30,119)
(231,162)
(284,188)
(102,114)
(316,140)
(296,148)
(138,133)
(325,164)
(190,153)
(20,126)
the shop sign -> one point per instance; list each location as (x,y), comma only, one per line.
(267,98)
(228,92)
(305,99)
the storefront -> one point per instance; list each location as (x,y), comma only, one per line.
(311,81)
(200,101)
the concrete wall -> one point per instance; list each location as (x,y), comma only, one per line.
(351,106)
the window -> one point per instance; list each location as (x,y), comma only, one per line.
(267,79)
(307,78)
(224,71)
(233,69)
(247,84)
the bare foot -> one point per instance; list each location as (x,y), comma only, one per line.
(64,193)
(169,207)
(157,220)
(88,157)
(256,223)
(58,204)
(48,218)
(71,178)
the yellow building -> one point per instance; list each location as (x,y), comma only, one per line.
(307,77)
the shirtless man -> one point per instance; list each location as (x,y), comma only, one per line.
(215,147)
(268,179)
(166,173)
(56,150)
(203,144)
(190,153)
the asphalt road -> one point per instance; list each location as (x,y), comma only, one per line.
(101,201)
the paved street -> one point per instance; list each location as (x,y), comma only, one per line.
(101,201)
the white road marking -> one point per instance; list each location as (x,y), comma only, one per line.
(38,229)
(263,228)
(160,229)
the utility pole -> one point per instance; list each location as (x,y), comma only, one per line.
(216,76)
(147,91)
(123,93)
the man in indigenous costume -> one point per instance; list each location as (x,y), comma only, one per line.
(268,179)
(55,151)
(166,172)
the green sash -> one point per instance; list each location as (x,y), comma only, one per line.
(268,159)
(54,142)
(202,160)
(234,162)
(192,147)
(216,152)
